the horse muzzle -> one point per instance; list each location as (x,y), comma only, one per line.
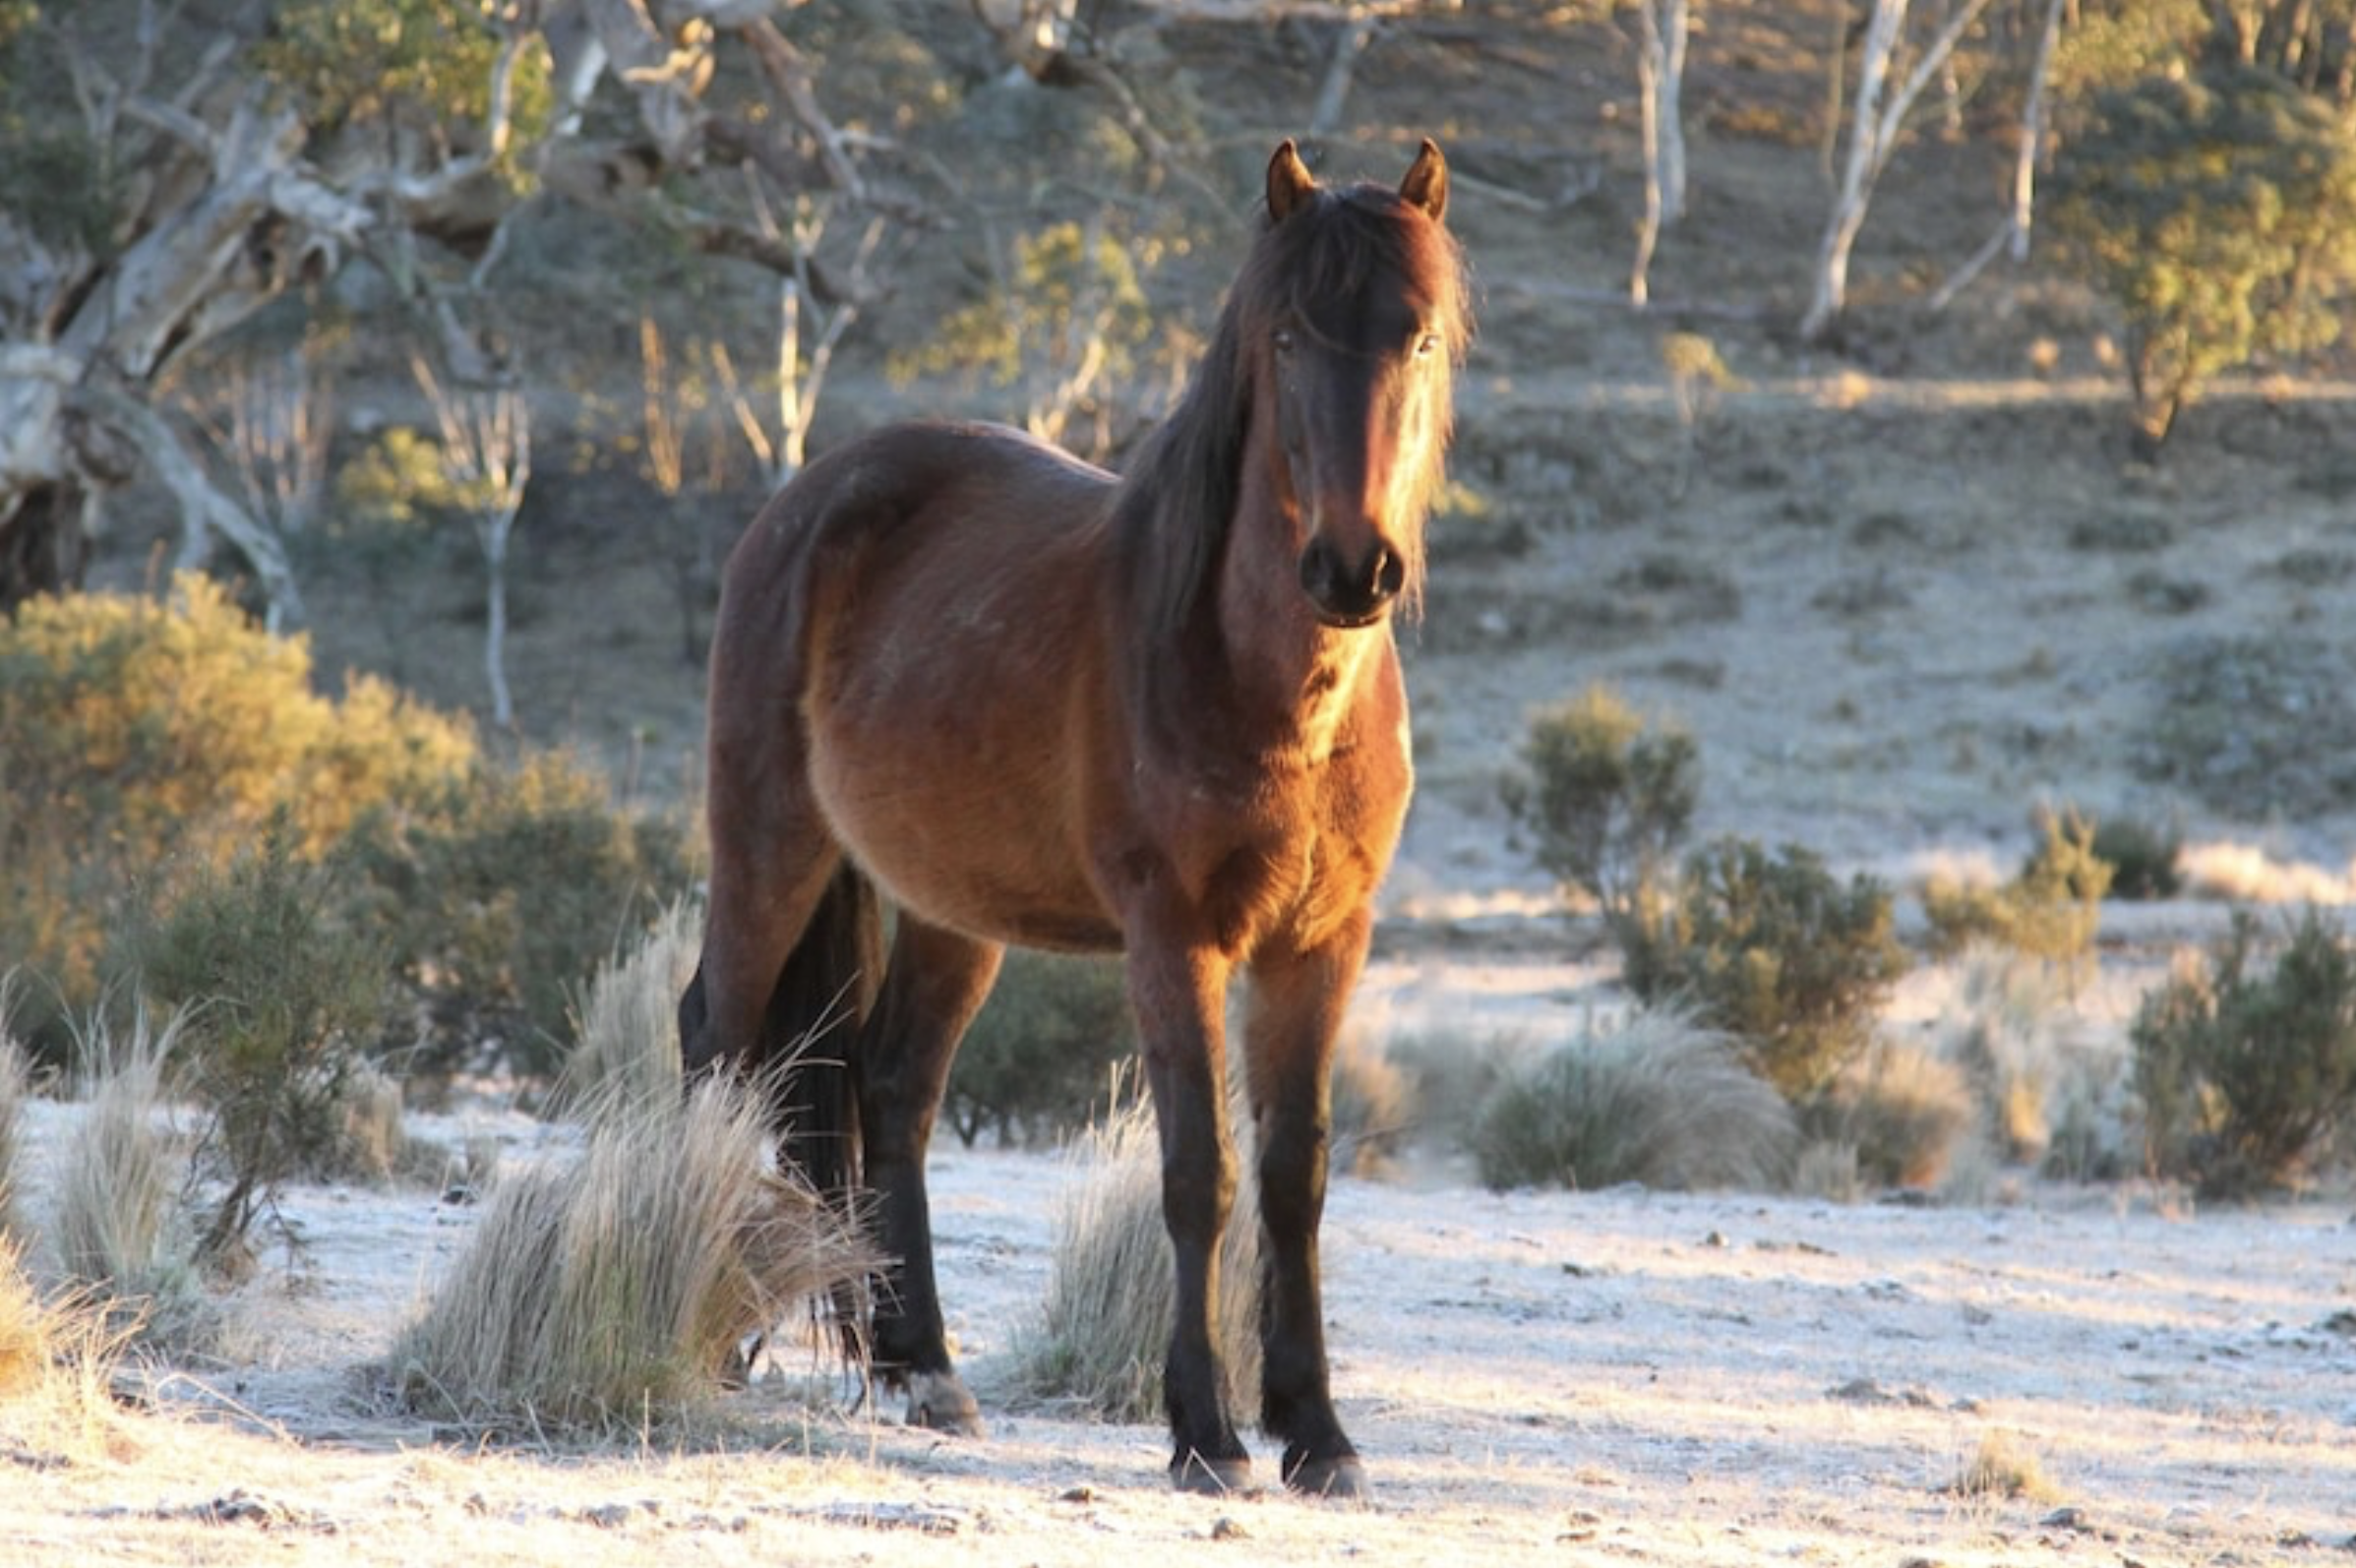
(1352,593)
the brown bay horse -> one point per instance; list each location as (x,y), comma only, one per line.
(1026,702)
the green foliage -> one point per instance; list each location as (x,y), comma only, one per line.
(54,179)
(412,61)
(277,995)
(499,894)
(1067,321)
(1039,1062)
(2146,858)
(1657,1101)
(2248,1078)
(151,739)
(1776,952)
(2217,209)
(2051,910)
(1610,801)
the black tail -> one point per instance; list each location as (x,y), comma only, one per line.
(807,1058)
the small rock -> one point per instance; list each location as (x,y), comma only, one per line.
(1228,1530)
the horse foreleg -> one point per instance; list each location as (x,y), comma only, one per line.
(1296,1013)
(1179,998)
(935,984)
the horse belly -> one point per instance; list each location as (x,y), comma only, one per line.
(965,838)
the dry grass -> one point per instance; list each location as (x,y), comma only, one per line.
(15,1082)
(1660,1101)
(1103,1334)
(617,1288)
(2005,1465)
(115,1215)
(628,1026)
(1903,1110)
(58,1359)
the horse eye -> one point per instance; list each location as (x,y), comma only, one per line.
(1284,340)
(1427,346)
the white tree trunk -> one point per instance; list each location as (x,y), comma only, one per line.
(1880,114)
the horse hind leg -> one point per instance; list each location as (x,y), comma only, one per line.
(935,984)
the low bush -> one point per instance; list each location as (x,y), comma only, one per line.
(277,996)
(1659,1100)
(150,740)
(1777,953)
(2147,859)
(499,894)
(1040,1060)
(1373,1105)
(1609,800)
(2052,910)
(2247,1075)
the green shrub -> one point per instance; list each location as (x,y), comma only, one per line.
(277,995)
(2248,1078)
(151,740)
(1657,1101)
(2145,859)
(2051,910)
(1039,1062)
(1610,800)
(1776,952)
(501,894)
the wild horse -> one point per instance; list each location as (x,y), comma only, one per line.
(1027,701)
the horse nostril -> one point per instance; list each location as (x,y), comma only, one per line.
(1390,573)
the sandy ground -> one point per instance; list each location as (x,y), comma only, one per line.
(1615,1376)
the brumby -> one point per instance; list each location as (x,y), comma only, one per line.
(1160,714)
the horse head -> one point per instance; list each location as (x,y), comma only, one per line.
(1358,348)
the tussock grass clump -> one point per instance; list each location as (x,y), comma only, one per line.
(1903,1110)
(2004,1466)
(1103,1335)
(617,1287)
(115,1208)
(626,1028)
(1661,1100)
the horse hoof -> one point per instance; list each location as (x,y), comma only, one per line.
(940,1403)
(1210,1478)
(1344,1477)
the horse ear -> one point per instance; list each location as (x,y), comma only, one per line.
(1426,182)
(1289,183)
